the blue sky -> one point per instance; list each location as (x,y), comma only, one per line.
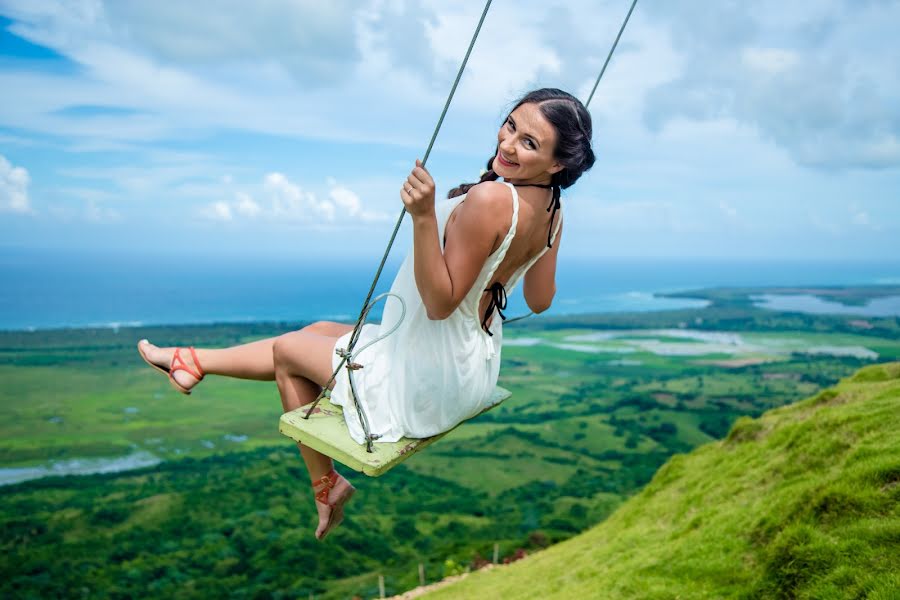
(284,128)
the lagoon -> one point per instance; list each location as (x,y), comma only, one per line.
(888,306)
(78,466)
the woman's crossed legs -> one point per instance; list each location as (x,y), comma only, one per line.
(300,363)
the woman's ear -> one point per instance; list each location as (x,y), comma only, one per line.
(556,168)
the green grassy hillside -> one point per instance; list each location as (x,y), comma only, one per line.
(803,502)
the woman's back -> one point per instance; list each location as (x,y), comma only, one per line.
(529,242)
(429,375)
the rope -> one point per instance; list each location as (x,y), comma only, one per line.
(348,353)
(609,56)
(586,104)
(357,329)
(352,366)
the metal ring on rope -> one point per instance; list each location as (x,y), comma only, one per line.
(348,354)
(396,325)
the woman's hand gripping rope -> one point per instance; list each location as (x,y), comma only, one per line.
(417,192)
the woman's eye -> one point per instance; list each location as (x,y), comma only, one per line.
(509,123)
(529,144)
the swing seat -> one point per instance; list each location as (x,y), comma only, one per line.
(326,432)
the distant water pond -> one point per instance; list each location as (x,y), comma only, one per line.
(78,466)
(888,306)
(632,301)
(690,343)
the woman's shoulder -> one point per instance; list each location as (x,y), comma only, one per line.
(486,211)
(487,191)
(486,188)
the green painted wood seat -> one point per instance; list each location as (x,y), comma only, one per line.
(326,431)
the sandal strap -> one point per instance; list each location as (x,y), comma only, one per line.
(196,362)
(179,364)
(328,480)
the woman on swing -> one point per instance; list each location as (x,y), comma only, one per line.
(441,365)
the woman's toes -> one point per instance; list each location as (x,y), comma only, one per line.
(324,516)
(149,351)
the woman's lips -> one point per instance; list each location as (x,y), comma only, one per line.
(505,163)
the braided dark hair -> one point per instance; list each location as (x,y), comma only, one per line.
(572,123)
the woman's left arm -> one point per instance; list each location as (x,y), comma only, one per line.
(444,278)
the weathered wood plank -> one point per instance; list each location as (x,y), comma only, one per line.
(326,431)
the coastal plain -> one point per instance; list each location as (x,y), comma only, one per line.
(599,403)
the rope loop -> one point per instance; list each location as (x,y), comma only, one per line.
(347,362)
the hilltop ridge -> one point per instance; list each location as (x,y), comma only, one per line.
(802,502)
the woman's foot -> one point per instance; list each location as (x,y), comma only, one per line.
(332,492)
(162,359)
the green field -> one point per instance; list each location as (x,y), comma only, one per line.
(599,403)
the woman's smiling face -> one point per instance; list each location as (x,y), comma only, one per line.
(525,146)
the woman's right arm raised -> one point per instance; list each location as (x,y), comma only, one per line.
(540,279)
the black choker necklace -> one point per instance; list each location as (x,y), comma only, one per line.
(554,202)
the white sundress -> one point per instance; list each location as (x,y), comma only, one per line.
(428,375)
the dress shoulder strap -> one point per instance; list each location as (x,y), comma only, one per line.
(498,294)
(500,253)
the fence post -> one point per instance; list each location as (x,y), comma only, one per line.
(421,574)
(381,586)
(496,552)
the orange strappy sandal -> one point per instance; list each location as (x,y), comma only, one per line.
(176,365)
(328,481)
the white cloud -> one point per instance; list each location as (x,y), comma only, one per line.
(816,81)
(291,202)
(702,102)
(769,60)
(310,40)
(14,188)
(246,205)
(290,68)
(350,203)
(217,211)
(96,213)
(286,201)
(827,91)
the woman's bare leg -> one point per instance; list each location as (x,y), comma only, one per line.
(303,365)
(245,361)
(300,362)
(302,359)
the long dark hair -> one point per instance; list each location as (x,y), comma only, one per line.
(573,127)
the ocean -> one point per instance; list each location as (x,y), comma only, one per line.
(42,289)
